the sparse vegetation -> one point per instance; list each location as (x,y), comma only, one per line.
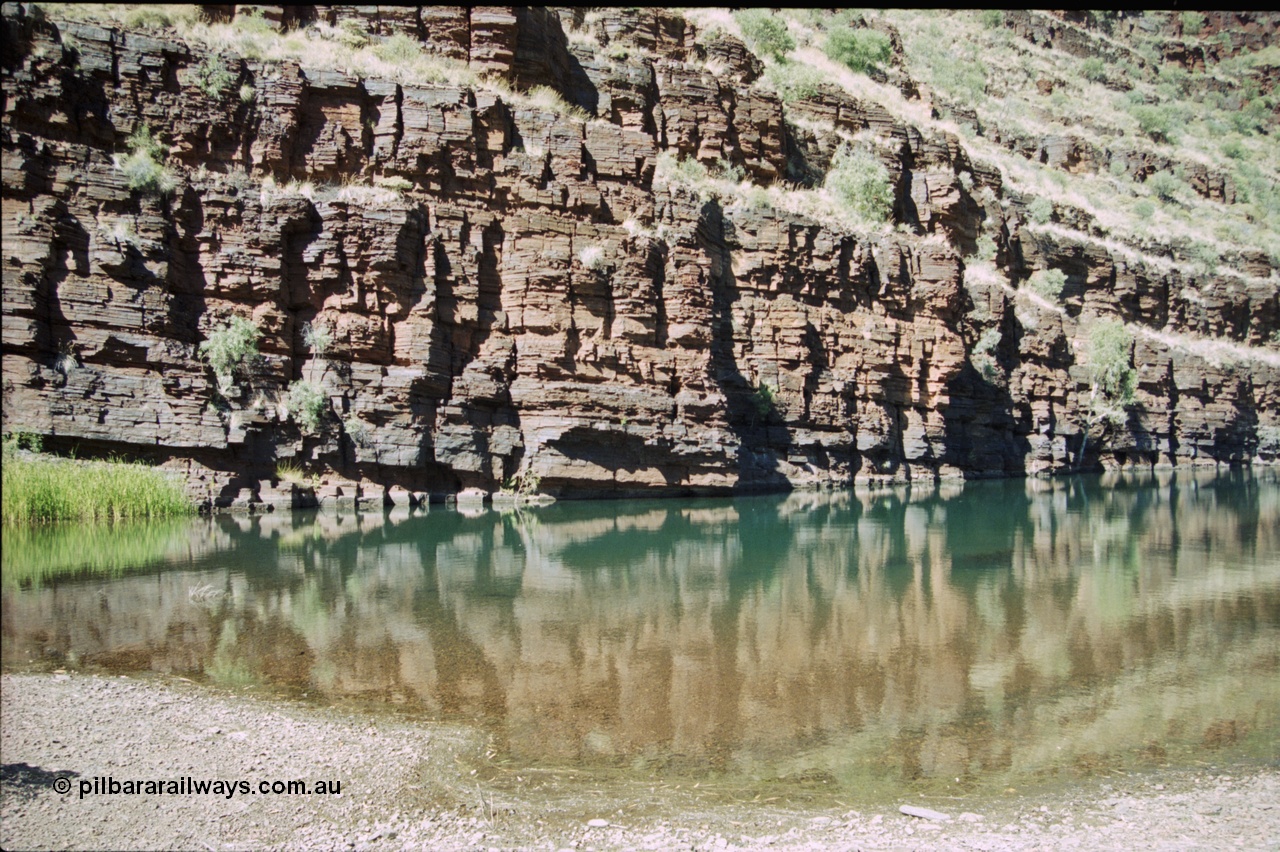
(1040,210)
(229,348)
(317,338)
(398,49)
(793,81)
(765,33)
(984,353)
(213,78)
(142,168)
(357,430)
(593,258)
(293,473)
(860,182)
(1112,378)
(764,399)
(523,484)
(1165,186)
(306,404)
(1047,283)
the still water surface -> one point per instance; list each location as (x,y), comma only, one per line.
(943,640)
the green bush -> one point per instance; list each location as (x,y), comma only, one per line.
(793,81)
(1144,209)
(306,405)
(400,49)
(1165,186)
(992,18)
(860,182)
(142,169)
(1040,210)
(1048,283)
(213,78)
(1094,69)
(230,347)
(1193,23)
(861,50)
(764,399)
(1154,121)
(1110,372)
(765,33)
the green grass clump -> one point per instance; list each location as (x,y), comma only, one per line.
(142,167)
(861,50)
(860,183)
(306,404)
(765,33)
(44,488)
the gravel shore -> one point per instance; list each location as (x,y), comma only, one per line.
(413,785)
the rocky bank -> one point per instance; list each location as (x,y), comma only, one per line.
(514,282)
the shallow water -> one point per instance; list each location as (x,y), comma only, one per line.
(946,640)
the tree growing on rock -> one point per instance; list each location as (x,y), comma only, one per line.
(1112,380)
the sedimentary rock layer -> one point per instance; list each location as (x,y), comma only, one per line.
(510,289)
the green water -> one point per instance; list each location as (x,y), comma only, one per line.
(942,640)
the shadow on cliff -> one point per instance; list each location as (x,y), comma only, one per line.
(761,432)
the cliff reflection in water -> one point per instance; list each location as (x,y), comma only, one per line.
(999,627)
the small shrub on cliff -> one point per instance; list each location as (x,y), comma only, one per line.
(860,182)
(765,33)
(317,338)
(764,399)
(1111,377)
(1040,210)
(1165,186)
(230,347)
(213,78)
(306,405)
(860,50)
(142,168)
(1193,23)
(1094,69)
(984,353)
(248,94)
(357,430)
(593,258)
(1048,283)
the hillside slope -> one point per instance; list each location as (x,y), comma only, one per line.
(619,251)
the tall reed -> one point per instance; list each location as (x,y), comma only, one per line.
(43,488)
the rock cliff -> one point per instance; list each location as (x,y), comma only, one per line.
(574,249)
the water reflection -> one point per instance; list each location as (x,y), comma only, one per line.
(993,631)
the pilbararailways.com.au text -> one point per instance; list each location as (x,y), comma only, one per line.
(188,786)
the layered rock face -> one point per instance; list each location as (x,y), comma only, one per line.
(510,286)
